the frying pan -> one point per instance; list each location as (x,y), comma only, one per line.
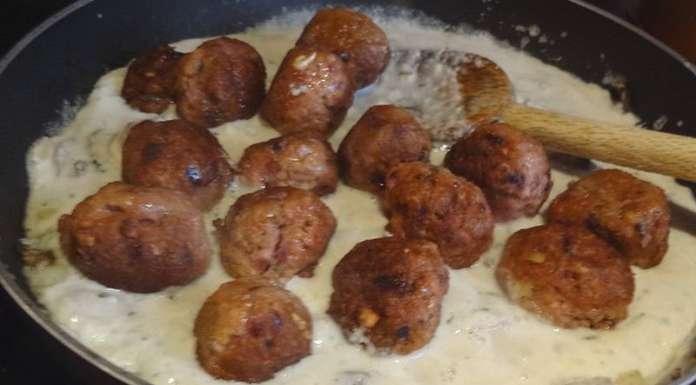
(61,59)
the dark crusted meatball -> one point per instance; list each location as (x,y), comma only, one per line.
(178,155)
(302,160)
(249,329)
(149,82)
(631,214)
(354,37)
(384,136)
(276,232)
(567,275)
(311,92)
(428,202)
(140,239)
(511,169)
(222,80)
(389,290)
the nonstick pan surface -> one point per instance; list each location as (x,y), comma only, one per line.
(61,59)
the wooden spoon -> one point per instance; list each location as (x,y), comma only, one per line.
(483,92)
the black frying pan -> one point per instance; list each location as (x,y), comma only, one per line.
(62,58)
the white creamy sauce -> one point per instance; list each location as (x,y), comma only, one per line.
(483,338)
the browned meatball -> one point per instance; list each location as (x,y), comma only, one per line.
(302,160)
(384,136)
(149,82)
(222,80)
(631,214)
(428,202)
(178,155)
(567,275)
(140,239)
(249,329)
(389,290)
(354,37)
(311,92)
(275,233)
(511,169)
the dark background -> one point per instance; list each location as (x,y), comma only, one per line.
(23,358)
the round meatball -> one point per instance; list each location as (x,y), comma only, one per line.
(631,214)
(178,155)
(384,136)
(140,239)
(389,291)
(311,92)
(511,169)
(276,233)
(302,160)
(249,329)
(222,80)
(567,275)
(354,37)
(149,82)
(428,202)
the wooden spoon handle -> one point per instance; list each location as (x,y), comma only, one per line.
(659,152)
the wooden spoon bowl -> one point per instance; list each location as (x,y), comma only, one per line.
(467,90)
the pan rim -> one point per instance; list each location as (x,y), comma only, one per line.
(691,67)
(8,280)
(41,317)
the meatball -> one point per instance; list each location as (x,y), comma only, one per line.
(249,329)
(511,169)
(567,275)
(428,202)
(631,214)
(311,92)
(222,80)
(384,136)
(275,233)
(354,37)
(390,291)
(149,82)
(302,160)
(178,155)
(140,239)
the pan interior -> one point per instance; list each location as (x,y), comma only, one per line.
(24,119)
(128,327)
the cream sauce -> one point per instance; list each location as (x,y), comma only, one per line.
(482,339)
